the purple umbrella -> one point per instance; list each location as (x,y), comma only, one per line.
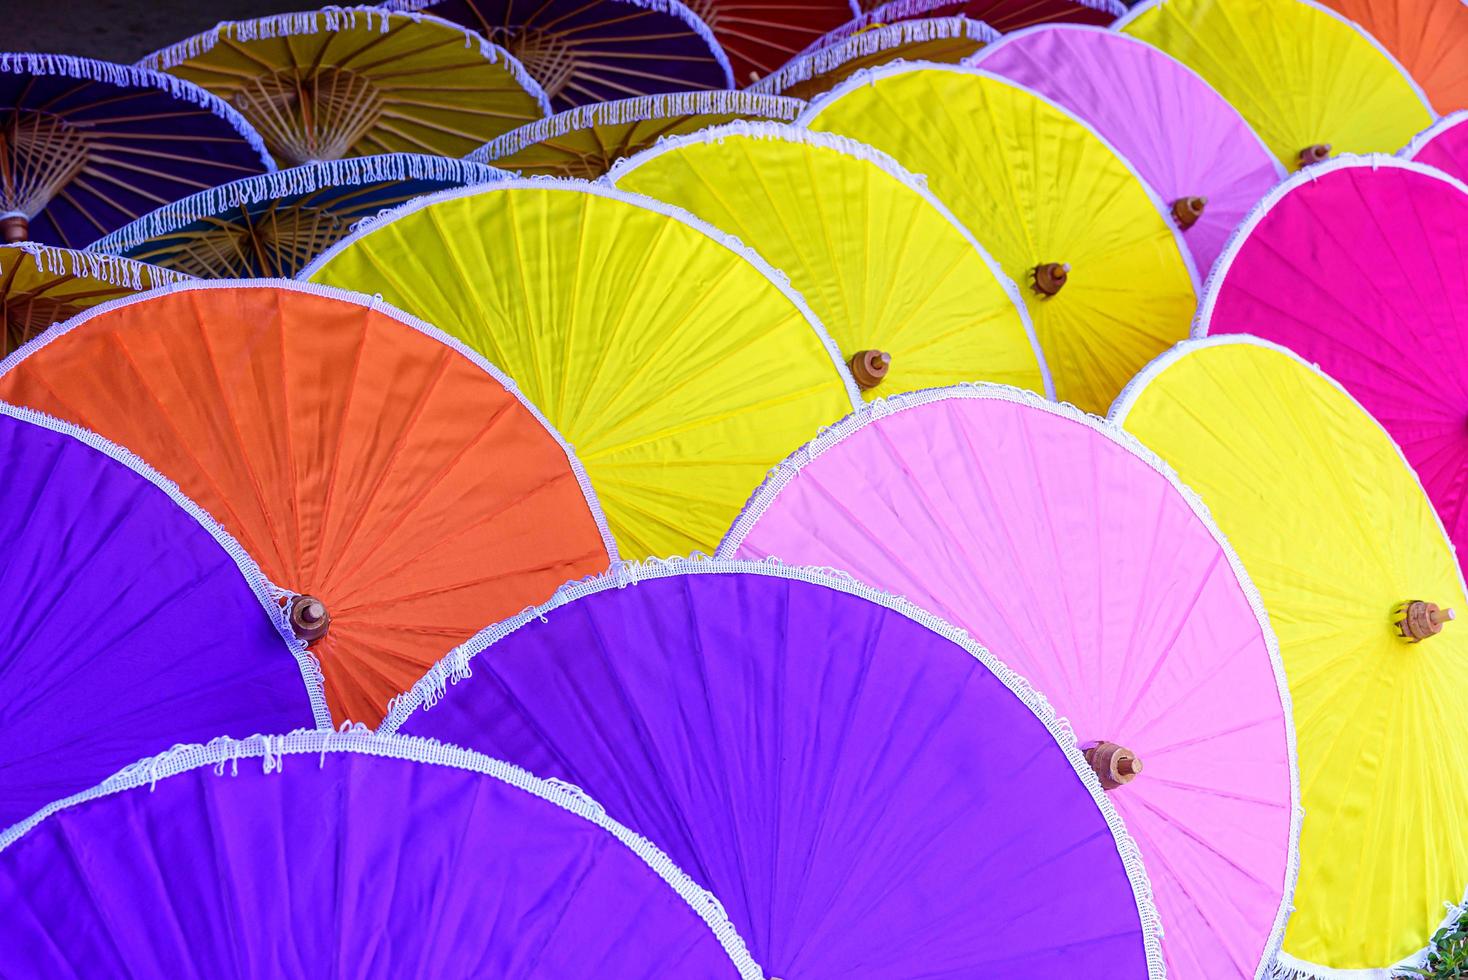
(1185,140)
(132,620)
(369,857)
(869,793)
(87,146)
(585,51)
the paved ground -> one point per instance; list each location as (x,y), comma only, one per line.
(120,30)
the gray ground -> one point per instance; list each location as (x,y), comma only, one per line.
(121,30)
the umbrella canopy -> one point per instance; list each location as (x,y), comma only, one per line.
(133,621)
(1314,83)
(586,141)
(274,224)
(1443,145)
(40,285)
(355,81)
(1097,256)
(678,363)
(870,793)
(364,459)
(1340,539)
(881,261)
(1427,37)
(1063,545)
(1002,15)
(1361,307)
(1185,140)
(936,39)
(584,51)
(87,146)
(761,35)
(348,854)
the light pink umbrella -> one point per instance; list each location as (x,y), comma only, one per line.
(1184,138)
(1443,145)
(1076,556)
(1360,265)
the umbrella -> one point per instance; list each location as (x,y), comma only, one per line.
(881,261)
(1443,145)
(274,224)
(587,140)
(934,39)
(678,363)
(1312,84)
(87,146)
(1058,541)
(356,81)
(1189,144)
(1353,568)
(1361,313)
(40,285)
(132,620)
(761,35)
(1427,37)
(868,792)
(347,854)
(365,460)
(584,51)
(1097,255)
(1002,15)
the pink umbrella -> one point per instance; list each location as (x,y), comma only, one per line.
(1443,145)
(1358,264)
(1079,559)
(1183,137)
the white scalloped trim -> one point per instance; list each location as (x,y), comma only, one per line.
(1451,121)
(804,67)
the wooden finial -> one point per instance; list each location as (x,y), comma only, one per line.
(1114,764)
(14,227)
(309,618)
(869,367)
(1187,210)
(1417,620)
(1049,277)
(1314,154)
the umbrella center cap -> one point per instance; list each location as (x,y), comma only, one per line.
(1187,210)
(305,114)
(309,618)
(1049,277)
(1114,764)
(45,153)
(546,55)
(1314,154)
(1417,620)
(869,367)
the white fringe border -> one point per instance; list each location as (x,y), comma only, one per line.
(1419,142)
(900,10)
(225,754)
(110,269)
(804,67)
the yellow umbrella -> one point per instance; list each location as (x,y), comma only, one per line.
(41,285)
(946,40)
(679,364)
(587,140)
(886,267)
(1107,280)
(1308,80)
(355,81)
(1337,534)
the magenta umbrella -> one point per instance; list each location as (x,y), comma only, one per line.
(1184,138)
(1358,265)
(1075,554)
(1443,145)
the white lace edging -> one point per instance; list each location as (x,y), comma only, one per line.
(1287,967)
(266,592)
(111,269)
(272,750)
(821,61)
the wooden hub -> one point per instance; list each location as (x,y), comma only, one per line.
(1417,620)
(14,228)
(309,618)
(1187,210)
(40,153)
(869,367)
(310,114)
(1114,764)
(1314,154)
(1049,277)
(546,55)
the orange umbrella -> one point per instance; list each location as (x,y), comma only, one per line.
(1429,38)
(362,457)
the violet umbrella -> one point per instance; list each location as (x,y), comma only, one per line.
(585,51)
(869,792)
(347,854)
(1443,145)
(132,620)
(1358,266)
(87,146)
(1184,138)
(1063,545)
